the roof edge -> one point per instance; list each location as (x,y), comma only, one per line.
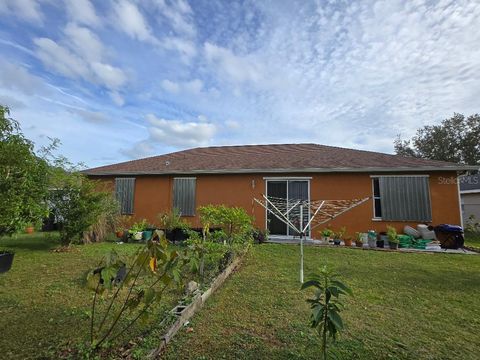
(297,170)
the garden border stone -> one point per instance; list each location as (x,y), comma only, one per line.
(190,310)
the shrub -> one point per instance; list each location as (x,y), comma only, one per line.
(172,220)
(79,205)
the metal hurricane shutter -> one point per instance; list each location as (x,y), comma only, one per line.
(184,195)
(124,191)
(405,198)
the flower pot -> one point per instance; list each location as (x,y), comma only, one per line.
(372,243)
(29,229)
(393,246)
(119,234)
(137,236)
(6,260)
(147,234)
(380,244)
(348,242)
(358,244)
(336,242)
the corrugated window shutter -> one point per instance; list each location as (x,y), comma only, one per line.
(124,191)
(184,195)
(405,198)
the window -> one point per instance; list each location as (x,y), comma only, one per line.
(401,198)
(184,195)
(124,192)
(377,206)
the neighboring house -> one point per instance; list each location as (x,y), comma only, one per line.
(403,190)
(470,196)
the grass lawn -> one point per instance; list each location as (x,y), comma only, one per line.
(406,306)
(473,240)
(44,303)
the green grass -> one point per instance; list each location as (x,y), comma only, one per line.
(44,303)
(473,240)
(406,306)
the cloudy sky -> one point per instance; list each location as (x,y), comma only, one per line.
(120,79)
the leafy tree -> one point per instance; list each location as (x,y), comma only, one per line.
(24,178)
(326,304)
(456,139)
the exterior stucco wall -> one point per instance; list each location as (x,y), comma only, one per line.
(153,194)
(471,206)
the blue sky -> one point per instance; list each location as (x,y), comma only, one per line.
(116,80)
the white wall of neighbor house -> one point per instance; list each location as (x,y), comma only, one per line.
(470,205)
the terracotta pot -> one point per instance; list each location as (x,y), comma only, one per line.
(119,234)
(29,229)
(348,242)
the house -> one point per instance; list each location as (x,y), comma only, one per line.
(402,190)
(470,196)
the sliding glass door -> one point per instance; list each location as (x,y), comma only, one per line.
(293,191)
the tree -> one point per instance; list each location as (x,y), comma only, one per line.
(23,178)
(456,139)
(326,304)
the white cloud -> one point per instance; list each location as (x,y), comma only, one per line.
(138,150)
(82,57)
(171,86)
(84,42)
(194,86)
(95,117)
(60,59)
(130,20)
(180,133)
(28,10)
(16,77)
(235,68)
(179,16)
(186,48)
(111,76)
(82,12)
(117,98)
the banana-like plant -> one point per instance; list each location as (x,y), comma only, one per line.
(326,304)
(130,288)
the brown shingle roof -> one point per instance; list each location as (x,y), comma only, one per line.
(271,158)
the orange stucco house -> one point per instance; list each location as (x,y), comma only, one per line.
(402,190)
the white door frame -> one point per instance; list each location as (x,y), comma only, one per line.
(287,179)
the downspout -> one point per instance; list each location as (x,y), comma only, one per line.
(460,198)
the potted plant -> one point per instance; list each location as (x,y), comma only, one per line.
(358,239)
(148,232)
(380,239)
(29,229)
(372,239)
(122,226)
(6,260)
(173,224)
(392,238)
(338,235)
(327,233)
(136,230)
(383,237)
(348,241)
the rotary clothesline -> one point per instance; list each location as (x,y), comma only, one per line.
(314,213)
(292,212)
